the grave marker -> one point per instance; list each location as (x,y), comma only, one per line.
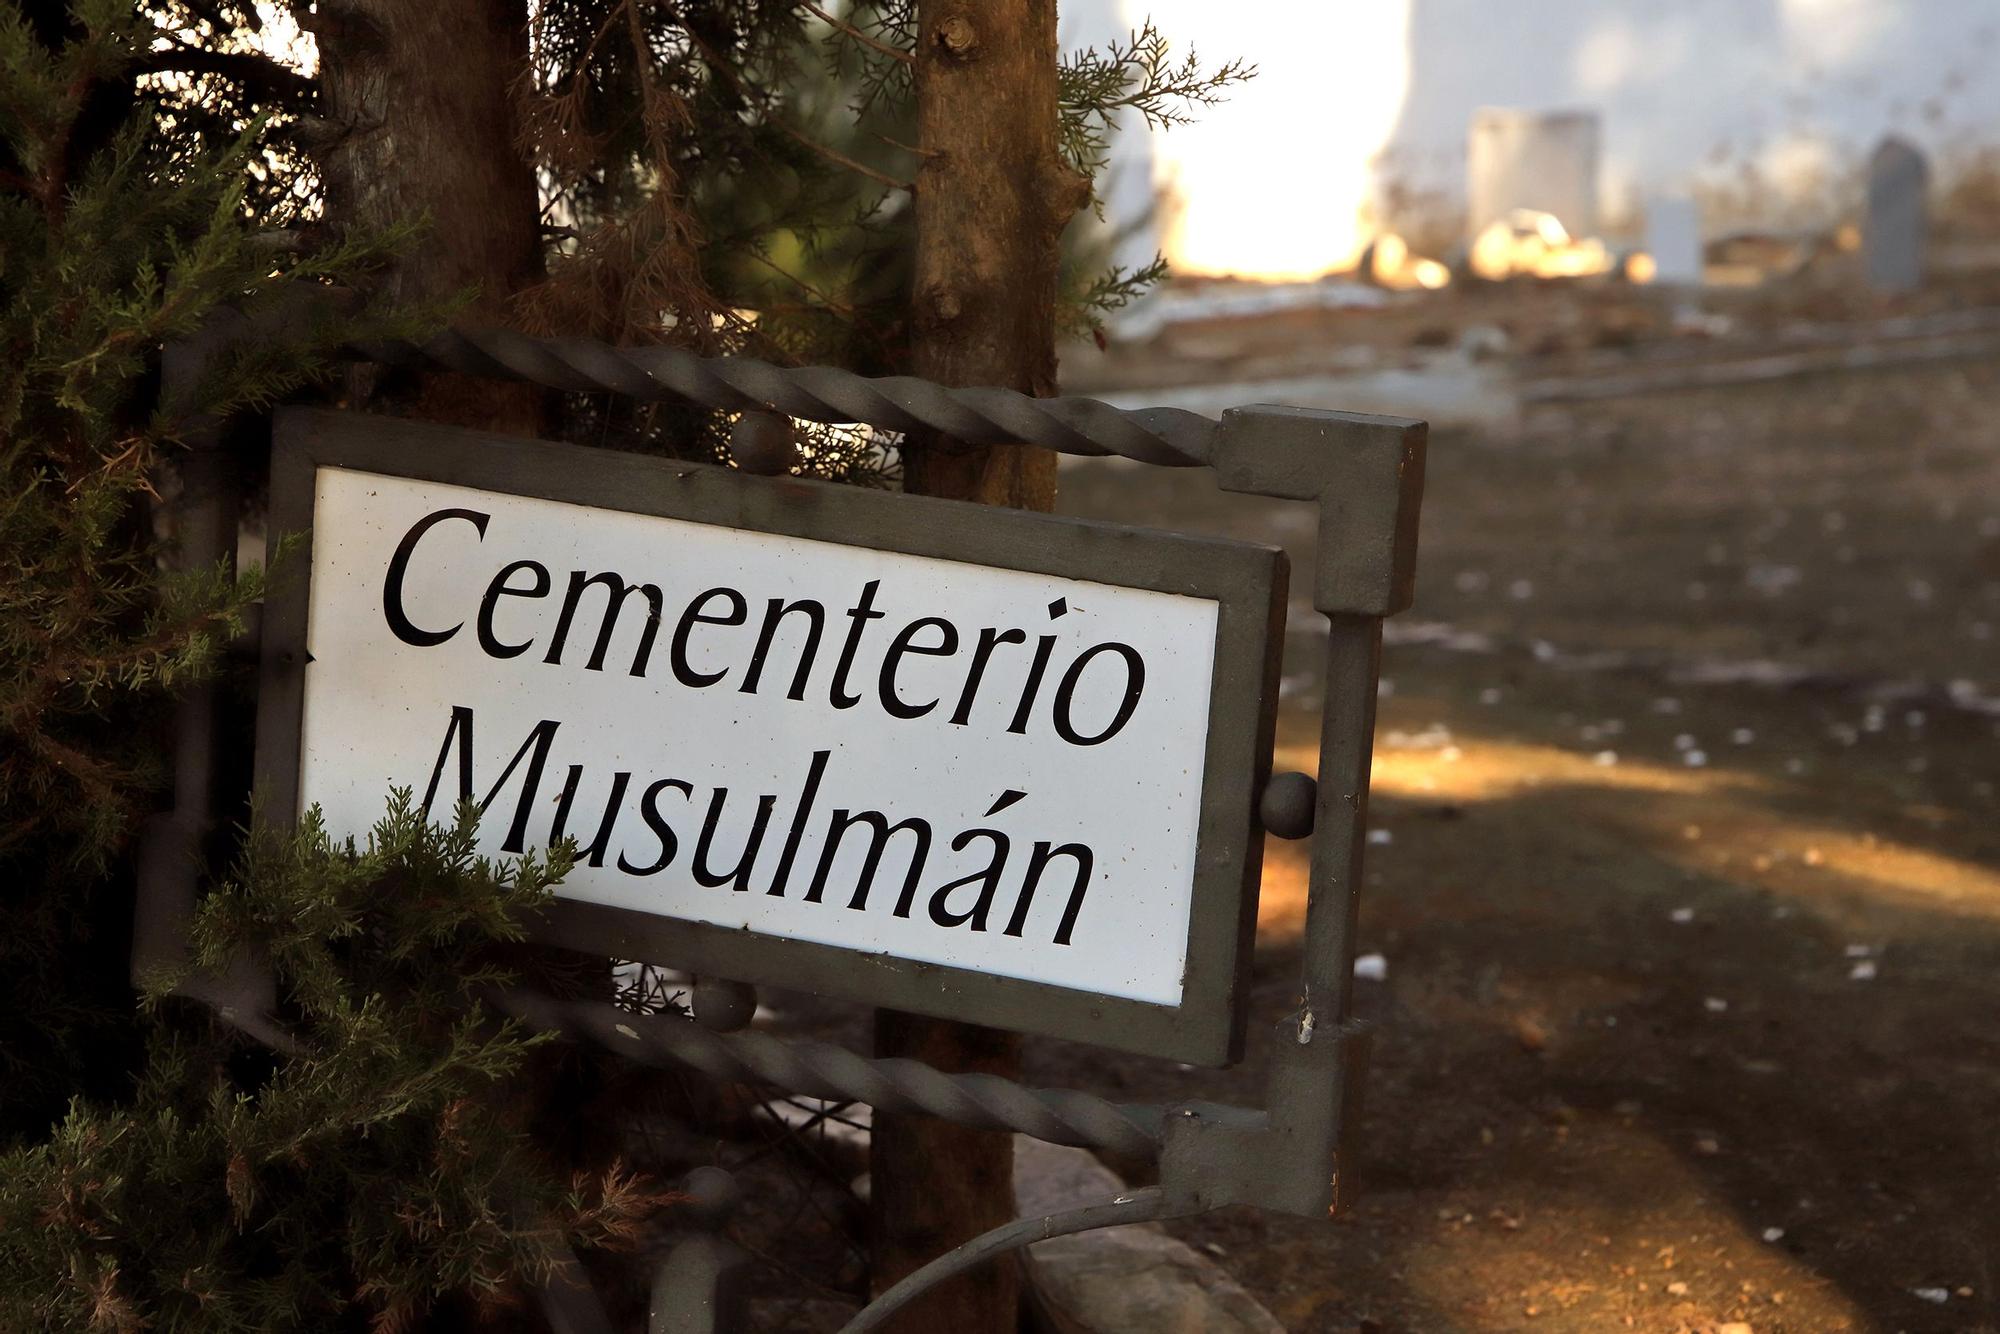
(1541,160)
(1673,239)
(1896,230)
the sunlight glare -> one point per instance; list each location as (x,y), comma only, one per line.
(1276,182)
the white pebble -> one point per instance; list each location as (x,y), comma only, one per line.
(1936,1296)
(1774,1234)
(1681,915)
(1695,759)
(1371,967)
(1684,741)
(1863,971)
(1715,1005)
(1742,736)
(1380,837)
(1521,589)
(1604,759)
(1490,695)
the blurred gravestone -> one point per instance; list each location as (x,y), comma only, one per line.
(1894,233)
(1673,239)
(1542,160)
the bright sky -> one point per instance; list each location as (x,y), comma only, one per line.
(1274,182)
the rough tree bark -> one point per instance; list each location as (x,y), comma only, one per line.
(419,124)
(992,199)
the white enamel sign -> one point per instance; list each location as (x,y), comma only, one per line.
(983,768)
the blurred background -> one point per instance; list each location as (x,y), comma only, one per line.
(1682,929)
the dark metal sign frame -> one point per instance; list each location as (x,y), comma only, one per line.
(1293,1155)
(1246,581)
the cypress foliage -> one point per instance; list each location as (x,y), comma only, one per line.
(158,1170)
(374,1172)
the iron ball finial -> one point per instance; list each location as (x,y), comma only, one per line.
(722,1006)
(765,444)
(1288,804)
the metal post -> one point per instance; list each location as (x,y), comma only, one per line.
(1347,730)
(697,1288)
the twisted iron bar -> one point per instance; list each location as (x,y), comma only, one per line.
(822,1070)
(1168,437)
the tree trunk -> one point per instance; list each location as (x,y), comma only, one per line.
(992,199)
(420,126)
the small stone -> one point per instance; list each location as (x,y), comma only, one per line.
(1677,1289)
(1604,759)
(1937,1296)
(1380,838)
(1681,916)
(1863,971)
(1774,1234)
(1715,1005)
(1371,967)
(1695,759)
(1742,736)
(1707,1146)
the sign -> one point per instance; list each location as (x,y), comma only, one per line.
(971,762)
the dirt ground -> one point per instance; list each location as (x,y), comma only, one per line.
(1685,873)
(1687,876)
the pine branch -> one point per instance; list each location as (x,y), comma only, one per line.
(847,29)
(832,155)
